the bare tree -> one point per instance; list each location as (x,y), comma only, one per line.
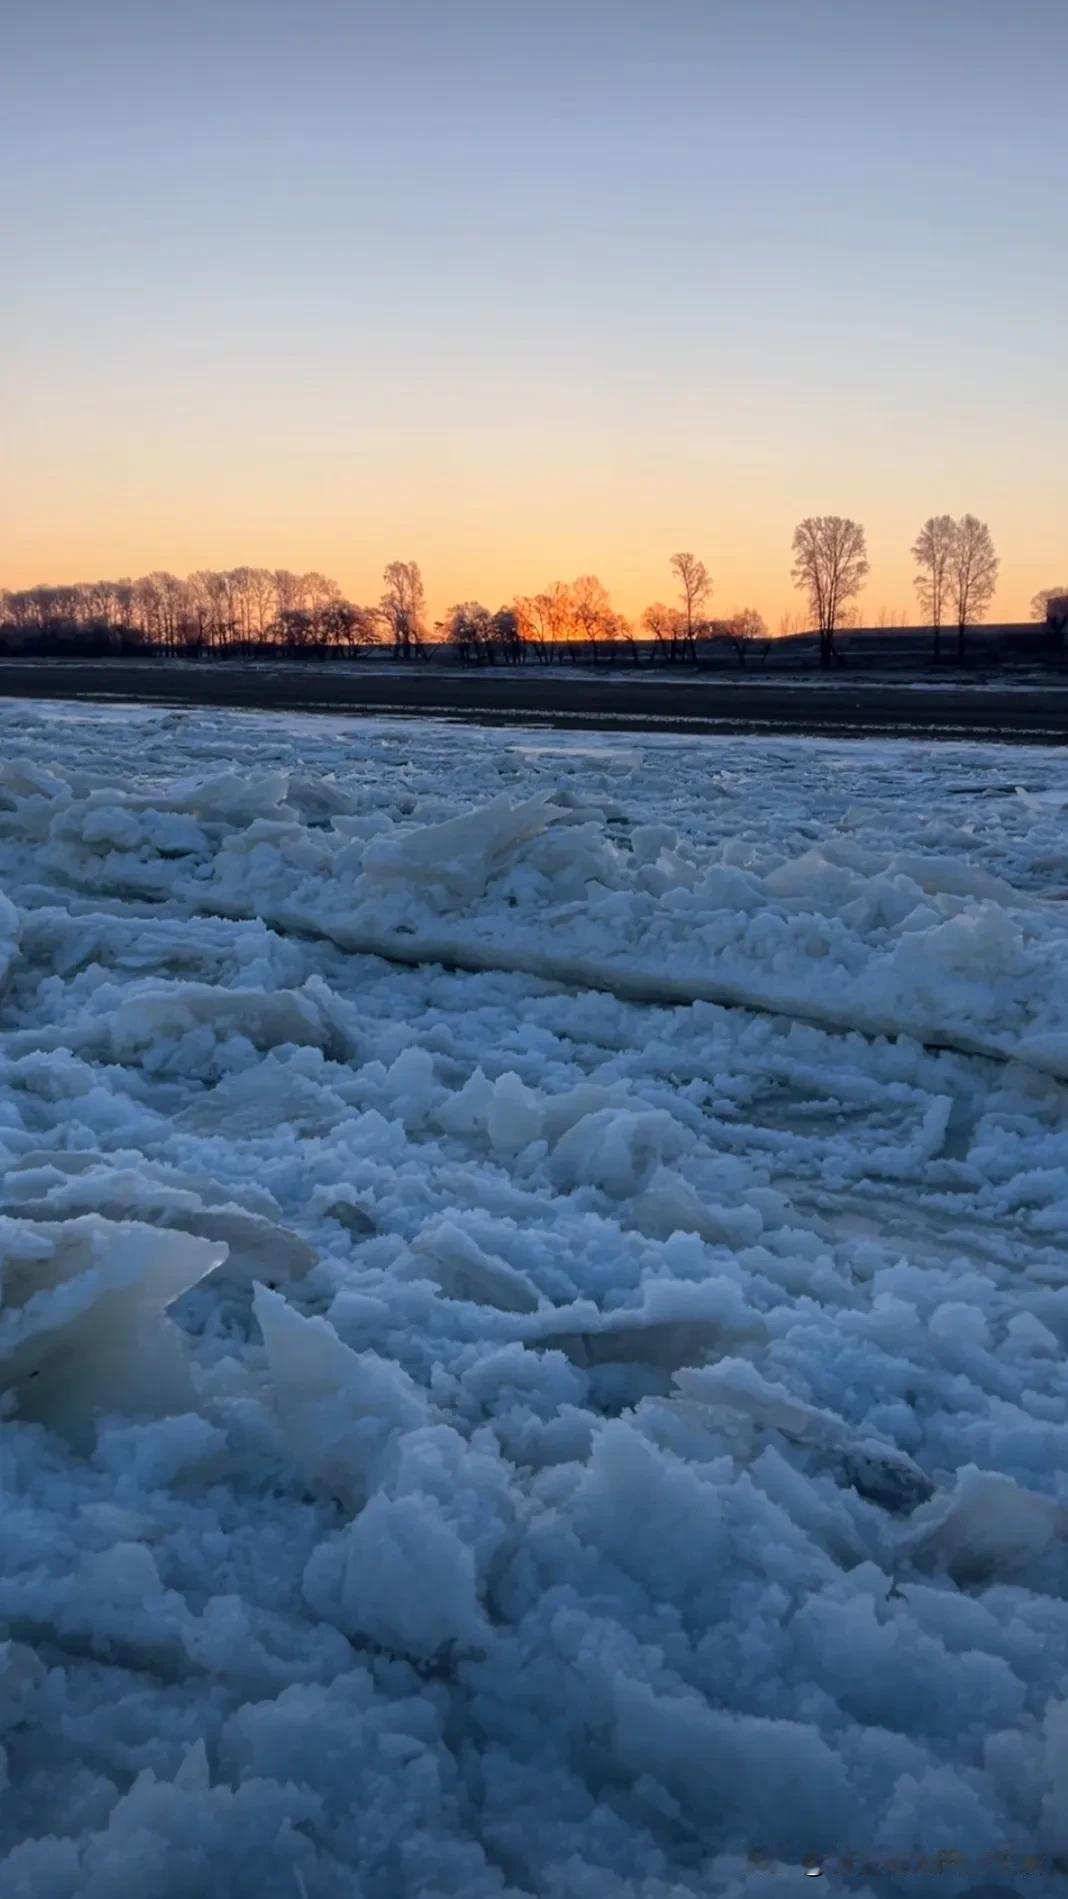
(695,586)
(830,567)
(745,631)
(931,551)
(319,592)
(288,589)
(403,606)
(972,574)
(261,601)
(341,624)
(593,617)
(534,617)
(506,636)
(296,630)
(1051,605)
(665,627)
(467,627)
(546,621)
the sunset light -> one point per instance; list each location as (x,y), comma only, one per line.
(588,284)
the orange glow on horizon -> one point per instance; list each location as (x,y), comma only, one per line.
(74,510)
(888,599)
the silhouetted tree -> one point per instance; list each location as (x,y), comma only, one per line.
(666,628)
(830,566)
(345,625)
(1051,605)
(209,609)
(534,616)
(467,628)
(972,574)
(745,631)
(288,590)
(931,551)
(296,629)
(403,606)
(547,622)
(505,636)
(695,586)
(593,617)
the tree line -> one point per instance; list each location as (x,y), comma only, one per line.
(256,612)
(242,609)
(957,572)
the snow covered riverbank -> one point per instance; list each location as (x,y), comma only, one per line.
(498,1421)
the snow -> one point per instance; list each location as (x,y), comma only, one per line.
(533,1310)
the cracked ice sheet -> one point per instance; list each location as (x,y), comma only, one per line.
(665,1456)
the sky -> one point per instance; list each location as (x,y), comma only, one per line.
(523,289)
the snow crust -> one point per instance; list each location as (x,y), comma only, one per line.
(498,1420)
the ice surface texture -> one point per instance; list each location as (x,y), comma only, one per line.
(496,1421)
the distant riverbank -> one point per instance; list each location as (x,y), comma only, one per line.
(1011,708)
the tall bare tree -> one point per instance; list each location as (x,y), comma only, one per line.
(931,551)
(403,606)
(972,574)
(534,617)
(830,567)
(695,586)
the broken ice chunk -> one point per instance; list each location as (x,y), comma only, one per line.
(444,1253)
(82,1318)
(987,1526)
(66,1186)
(339,1408)
(679,1323)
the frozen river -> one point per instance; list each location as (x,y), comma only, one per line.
(534,1308)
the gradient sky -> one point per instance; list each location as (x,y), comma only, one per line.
(525,288)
